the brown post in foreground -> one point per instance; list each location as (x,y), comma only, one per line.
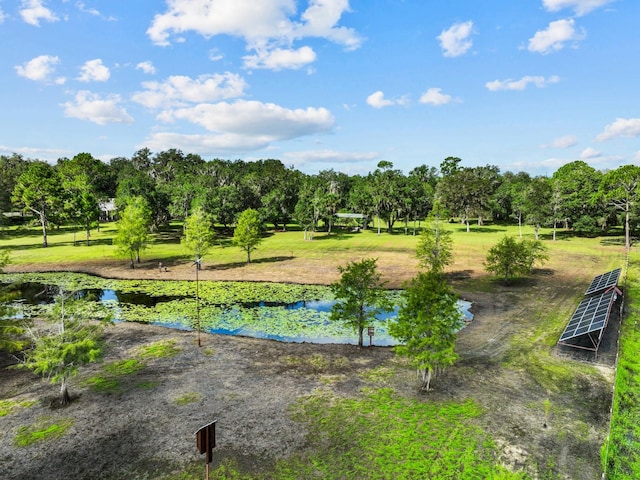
(205,443)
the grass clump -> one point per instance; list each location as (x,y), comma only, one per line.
(43,429)
(161,349)
(187,398)
(7,407)
(110,380)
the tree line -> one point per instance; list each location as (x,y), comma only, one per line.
(174,185)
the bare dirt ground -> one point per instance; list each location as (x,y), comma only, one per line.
(248,385)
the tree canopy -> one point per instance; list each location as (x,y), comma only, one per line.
(248,232)
(359,296)
(427,323)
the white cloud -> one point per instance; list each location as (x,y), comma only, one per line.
(538,81)
(146,67)
(2,16)
(266,26)
(327,156)
(180,90)
(622,127)
(566,141)
(455,40)
(589,152)
(90,106)
(555,37)
(278,58)
(94,71)
(33,11)
(434,96)
(256,119)
(205,144)
(240,127)
(91,11)
(40,69)
(377,100)
(580,7)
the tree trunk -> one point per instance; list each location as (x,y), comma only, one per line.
(64,393)
(360,336)
(426,379)
(43,222)
(627,236)
(248,255)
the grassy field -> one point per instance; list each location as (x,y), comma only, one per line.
(461,430)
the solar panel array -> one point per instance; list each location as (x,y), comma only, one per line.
(591,315)
(603,282)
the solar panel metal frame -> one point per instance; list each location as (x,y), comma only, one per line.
(592,315)
(604,282)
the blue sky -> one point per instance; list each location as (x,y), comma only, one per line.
(526,85)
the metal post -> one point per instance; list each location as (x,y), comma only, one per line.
(197,264)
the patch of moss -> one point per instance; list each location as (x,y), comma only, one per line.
(44,429)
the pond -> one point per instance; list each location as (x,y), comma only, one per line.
(279,318)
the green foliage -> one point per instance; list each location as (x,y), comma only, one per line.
(68,341)
(383,436)
(44,429)
(359,296)
(39,191)
(160,349)
(133,229)
(11,329)
(427,324)
(511,258)
(435,246)
(198,233)
(620,452)
(248,232)
(7,407)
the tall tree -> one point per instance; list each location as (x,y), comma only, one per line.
(359,296)
(11,167)
(248,232)
(621,188)
(70,339)
(427,323)
(133,229)
(84,181)
(198,234)
(387,193)
(39,190)
(536,203)
(577,185)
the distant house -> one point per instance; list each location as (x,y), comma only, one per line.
(107,210)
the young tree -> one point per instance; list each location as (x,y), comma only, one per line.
(133,229)
(198,234)
(435,244)
(511,258)
(248,232)
(359,294)
(39,190)
(69,341)
(427,324)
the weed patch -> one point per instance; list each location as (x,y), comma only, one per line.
(43,429)
(7,407)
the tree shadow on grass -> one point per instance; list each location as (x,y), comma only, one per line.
(231,266)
